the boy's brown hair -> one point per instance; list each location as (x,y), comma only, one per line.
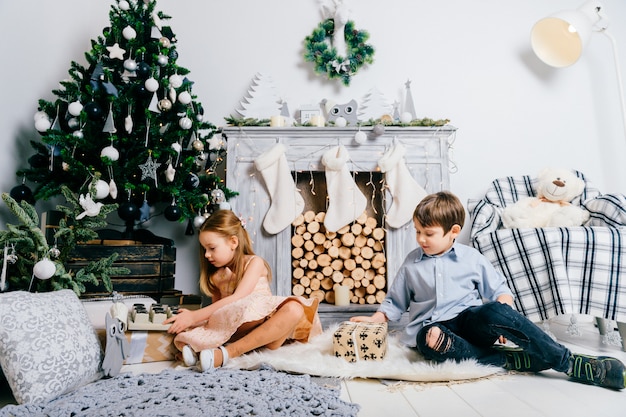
(440,209)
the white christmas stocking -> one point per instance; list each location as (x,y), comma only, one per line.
(286,202)
(405,191)
(345,201)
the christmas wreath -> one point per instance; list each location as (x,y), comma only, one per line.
(326,59)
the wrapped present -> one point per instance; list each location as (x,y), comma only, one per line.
(146,346)
(360,341)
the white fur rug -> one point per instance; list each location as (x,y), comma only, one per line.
(400,363)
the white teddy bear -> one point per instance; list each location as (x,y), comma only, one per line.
(551,207)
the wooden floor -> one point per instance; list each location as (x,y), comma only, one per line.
(549,393)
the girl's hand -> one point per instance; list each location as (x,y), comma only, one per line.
(181,321)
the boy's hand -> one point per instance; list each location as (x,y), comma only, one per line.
(377,317)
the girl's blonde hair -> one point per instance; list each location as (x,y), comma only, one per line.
(226,224)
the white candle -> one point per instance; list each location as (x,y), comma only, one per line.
(277,121)
(342,295)
(317,121)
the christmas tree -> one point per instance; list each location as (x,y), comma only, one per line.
(129,126)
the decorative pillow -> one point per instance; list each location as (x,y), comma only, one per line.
(47,344)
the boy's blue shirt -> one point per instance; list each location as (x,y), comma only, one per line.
(438,288)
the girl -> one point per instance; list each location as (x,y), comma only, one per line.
(243,315)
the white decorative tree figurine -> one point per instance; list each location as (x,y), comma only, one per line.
(262,101)
(374,106)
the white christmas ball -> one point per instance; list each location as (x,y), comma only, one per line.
(176,80)
(360,137)
(184,97)
(151,85)
(124,5)
(73,123)
(102,189)
(225,205)
(130,64)
(406,117)
(185,123)
(199,117)
(44,269)
(78,134)
(75,108)
(176,146)
(42,124)
(162,60)
(40,115)
(129,33)
(341,122)
(111,153)
(198,221)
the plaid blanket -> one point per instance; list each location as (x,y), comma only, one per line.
(556,270)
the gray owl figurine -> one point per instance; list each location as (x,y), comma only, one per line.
(348,111)
(117,347)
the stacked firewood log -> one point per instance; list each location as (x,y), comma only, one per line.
(353,256)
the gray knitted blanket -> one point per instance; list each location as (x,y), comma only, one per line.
(225,392)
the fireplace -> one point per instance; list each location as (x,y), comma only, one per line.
(426,159)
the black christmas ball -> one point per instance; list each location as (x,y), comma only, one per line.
(143,70)
(173,55)
(172,213)
(93,110)
(192,181)
(38,160)
(22,192)
(128,211)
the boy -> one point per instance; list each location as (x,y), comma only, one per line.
(443,285)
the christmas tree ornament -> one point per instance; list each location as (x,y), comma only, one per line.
(184,97)
(149,169)
(123,5)
(74,108)
(40,115)
(216,142)
(378,129)
(115,52)
(44,269)
(109,124)
(73,123)
(406,193)
(198,221)
(38,161)
(113,189)
(21,193)
(43,124)
(12,256)
(129,33)
(189,231)
(192,181)
(173,54)
(128,211)
(360,137)
(346,202)
(152,84)
(170,173)
(54,252)
(406,117)
(197,145)
(172,212)
(162,60)
(78,134)
(172,94)
(93,110)
(154,104)
(143,70)
(130,65)
(165,42)
(90,207)
(165,105)
(128,121)
(110,152)
(176,80)
(144,211)
(102,189)
(286,203)
(185,123)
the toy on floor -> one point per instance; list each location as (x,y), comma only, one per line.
(117,347)
(142,318)
(556,188)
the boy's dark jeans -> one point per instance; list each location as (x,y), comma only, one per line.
(472,334)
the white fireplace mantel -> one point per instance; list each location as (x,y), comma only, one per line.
(426,158)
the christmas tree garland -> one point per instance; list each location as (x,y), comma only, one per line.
(325,58)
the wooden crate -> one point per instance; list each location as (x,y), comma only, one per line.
(152,267)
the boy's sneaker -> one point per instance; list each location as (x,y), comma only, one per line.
(518,360)
(598,370)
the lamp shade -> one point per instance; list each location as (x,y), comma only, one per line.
(559,40)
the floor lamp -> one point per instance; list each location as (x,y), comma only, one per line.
(559,39)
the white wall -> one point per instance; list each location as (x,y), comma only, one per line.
(469,61)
